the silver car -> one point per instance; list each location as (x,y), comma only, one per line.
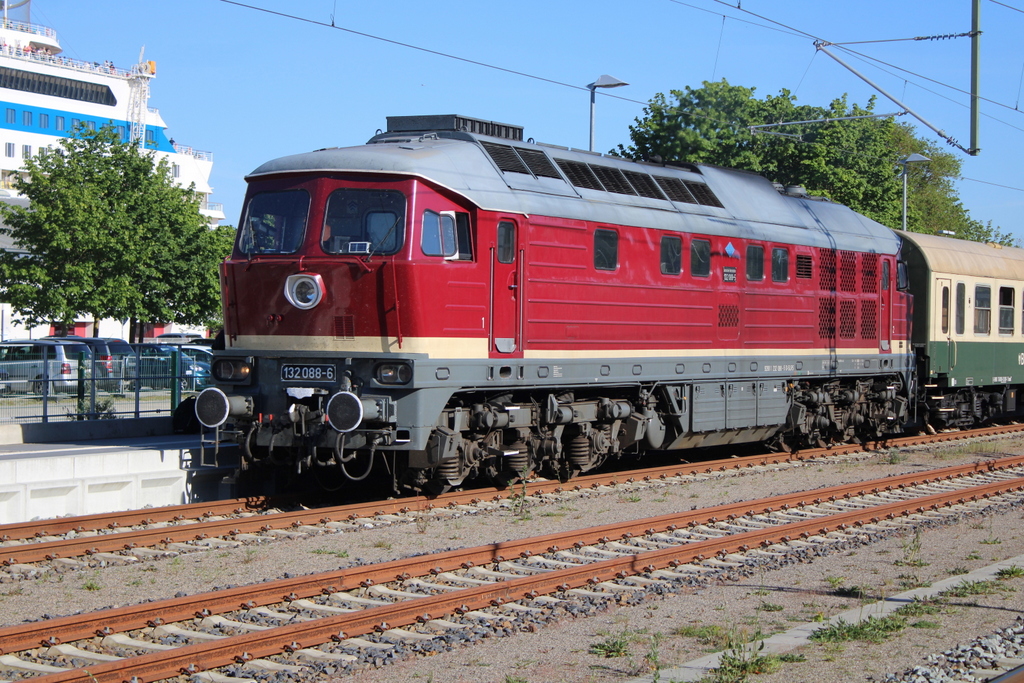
(25,365)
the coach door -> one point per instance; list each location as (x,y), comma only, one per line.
(506,295)
(942,327)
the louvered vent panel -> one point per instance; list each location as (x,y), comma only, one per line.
(538,162)
(643,184)
(828,270)
(505,157)
(869,273)
(675,189)
(344,327)
(848,271)
(847,319)
(868,320)
(728,315)
(804,267)
(703,194)
(579,174)
(612,179)
(827,318)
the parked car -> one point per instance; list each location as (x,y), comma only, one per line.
(178,337)
(109,359)
(28,363)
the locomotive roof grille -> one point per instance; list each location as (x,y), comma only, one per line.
(643,184)
(612,179)
(520,160)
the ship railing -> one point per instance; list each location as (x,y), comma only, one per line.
(65,62)
(197,153)
(25,27)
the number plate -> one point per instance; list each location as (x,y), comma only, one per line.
(307,373)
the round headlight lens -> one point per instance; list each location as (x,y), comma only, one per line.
(231,370)
(304,290)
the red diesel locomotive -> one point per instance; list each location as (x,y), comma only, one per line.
(455,302)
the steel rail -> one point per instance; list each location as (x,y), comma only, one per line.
(129,539)
(20,637)
(283,639)
(32,552)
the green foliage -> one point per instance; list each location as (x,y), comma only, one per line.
(109,235)
(853,162)
(872,629)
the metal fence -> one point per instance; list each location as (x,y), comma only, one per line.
(151,381)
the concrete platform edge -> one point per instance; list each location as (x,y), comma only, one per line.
(76,431)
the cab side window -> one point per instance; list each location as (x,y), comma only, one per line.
(438,237)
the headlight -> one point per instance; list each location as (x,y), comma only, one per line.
(231,370)
(394,373)
(304,290)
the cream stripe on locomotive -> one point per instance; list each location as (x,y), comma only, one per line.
(476,348)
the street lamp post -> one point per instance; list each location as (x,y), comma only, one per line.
(912,159)
(605,81)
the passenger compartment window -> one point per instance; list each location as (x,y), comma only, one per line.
(671,255)
(361,221)
(700,258)
(780,265)
(275,222)
(606,249)
(982,309)
(755,263)
(1006,310)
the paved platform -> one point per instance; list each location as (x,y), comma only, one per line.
(93,475)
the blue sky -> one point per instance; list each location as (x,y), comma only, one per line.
(251,86)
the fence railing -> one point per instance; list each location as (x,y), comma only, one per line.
(80,386)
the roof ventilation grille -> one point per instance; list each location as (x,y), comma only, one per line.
(453,122)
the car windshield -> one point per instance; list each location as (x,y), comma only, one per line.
(275,223)
(359,221)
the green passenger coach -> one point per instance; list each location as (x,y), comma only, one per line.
(968,327)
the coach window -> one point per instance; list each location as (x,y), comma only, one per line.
(671,255)
(438,237)
(982,309)
(780,265)
(961,307)
(700,258)
(606,249)
(945,310)
(1006,312)
(755,263)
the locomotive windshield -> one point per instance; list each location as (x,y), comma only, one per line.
(275,223)
(359,221)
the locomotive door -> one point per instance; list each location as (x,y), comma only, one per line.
(885,307)
(506,298)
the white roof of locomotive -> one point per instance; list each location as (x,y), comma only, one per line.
(753,207)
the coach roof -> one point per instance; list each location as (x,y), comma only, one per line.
(519,177)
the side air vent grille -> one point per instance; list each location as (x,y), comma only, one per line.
(344,327)
(675,189)
(847,271)
(643,184)
(579,174)
(612,179)
(847,319)
(804,267)
(828,270)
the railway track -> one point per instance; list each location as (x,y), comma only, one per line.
(415,601)
(131,536)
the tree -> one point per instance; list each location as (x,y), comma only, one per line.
(108,235)
(853,162)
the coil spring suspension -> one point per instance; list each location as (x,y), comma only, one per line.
(579,451)
(518,463)
(450,468)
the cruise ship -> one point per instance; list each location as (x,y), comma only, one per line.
(44,95)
